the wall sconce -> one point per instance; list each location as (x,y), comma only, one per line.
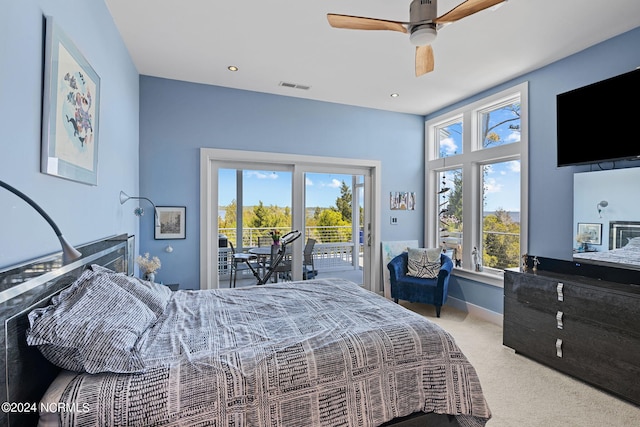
(139,211)
(600,206)
(69,253)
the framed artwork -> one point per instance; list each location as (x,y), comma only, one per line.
(70,110)
(401,200)
(171,222)
(590,233)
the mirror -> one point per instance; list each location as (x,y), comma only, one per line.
(606,218)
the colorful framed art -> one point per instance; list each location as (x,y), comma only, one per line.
(70,110)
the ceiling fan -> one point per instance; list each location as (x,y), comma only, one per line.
(422,28)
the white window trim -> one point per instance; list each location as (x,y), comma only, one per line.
(470,162)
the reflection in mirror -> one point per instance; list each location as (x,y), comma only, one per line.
(606,217)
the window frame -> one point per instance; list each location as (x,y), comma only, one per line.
(473,156)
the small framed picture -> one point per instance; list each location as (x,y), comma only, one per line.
(402,200)
(171,222)
(590,233)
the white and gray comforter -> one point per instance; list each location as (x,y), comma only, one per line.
(321,352)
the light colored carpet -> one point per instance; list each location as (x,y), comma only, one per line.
(524,393)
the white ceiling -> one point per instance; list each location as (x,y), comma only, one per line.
(273,41)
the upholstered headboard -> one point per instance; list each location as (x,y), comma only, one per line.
(25,374)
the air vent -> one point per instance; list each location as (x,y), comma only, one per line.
(294,86)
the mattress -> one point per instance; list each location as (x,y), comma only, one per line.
(322,352)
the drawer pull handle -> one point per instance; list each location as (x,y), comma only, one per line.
(559,319)
(560,293)
(559,347)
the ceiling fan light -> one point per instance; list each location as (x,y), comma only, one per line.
(423,35)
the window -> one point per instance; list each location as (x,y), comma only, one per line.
(476,158)
(449,138)
(450,214)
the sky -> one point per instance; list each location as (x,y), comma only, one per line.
(274,188)
(501,180)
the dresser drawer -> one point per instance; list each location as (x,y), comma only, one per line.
(584,333)
(533,289)
(592,303)
(615,374)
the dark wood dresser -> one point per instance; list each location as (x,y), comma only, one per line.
(585,327)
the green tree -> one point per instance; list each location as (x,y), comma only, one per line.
(330,218)
(344,202)
(260,217)
(230,219)
(268,217)
(455,197)
(501,246)
(451,219)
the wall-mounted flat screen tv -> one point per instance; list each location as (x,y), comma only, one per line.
(595,123)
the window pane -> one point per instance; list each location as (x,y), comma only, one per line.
(500,125)
(450,213)
(501,214)
(227,205)
(449,139)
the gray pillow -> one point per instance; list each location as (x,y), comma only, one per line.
(92,326)
(154,295)
(423,263)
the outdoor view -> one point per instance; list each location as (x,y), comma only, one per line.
(266,205)
(266,214)
(500,191)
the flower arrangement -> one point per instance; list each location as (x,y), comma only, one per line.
(583,238)
(149,265)
(275,235)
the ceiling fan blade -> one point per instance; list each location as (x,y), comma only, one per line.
(360,23)
(465,9)
(424,60)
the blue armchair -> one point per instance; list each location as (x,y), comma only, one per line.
(414,289)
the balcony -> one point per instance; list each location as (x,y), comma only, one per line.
(333,253)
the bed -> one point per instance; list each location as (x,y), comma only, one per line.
(282,354)
(628,255)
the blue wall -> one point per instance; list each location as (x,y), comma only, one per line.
(551,230)
(178,118)
(84,213)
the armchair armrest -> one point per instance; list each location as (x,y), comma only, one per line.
(446,265)
(398,267)
(442,288)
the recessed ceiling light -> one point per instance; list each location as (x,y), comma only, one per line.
(395,95)
(232,68)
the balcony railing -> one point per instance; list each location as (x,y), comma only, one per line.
(333,250)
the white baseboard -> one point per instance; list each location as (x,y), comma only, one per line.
(476,311)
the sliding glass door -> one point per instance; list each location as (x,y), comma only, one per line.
(332,201)
(252,204)
(334,214)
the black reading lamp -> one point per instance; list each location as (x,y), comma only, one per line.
(69,253)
